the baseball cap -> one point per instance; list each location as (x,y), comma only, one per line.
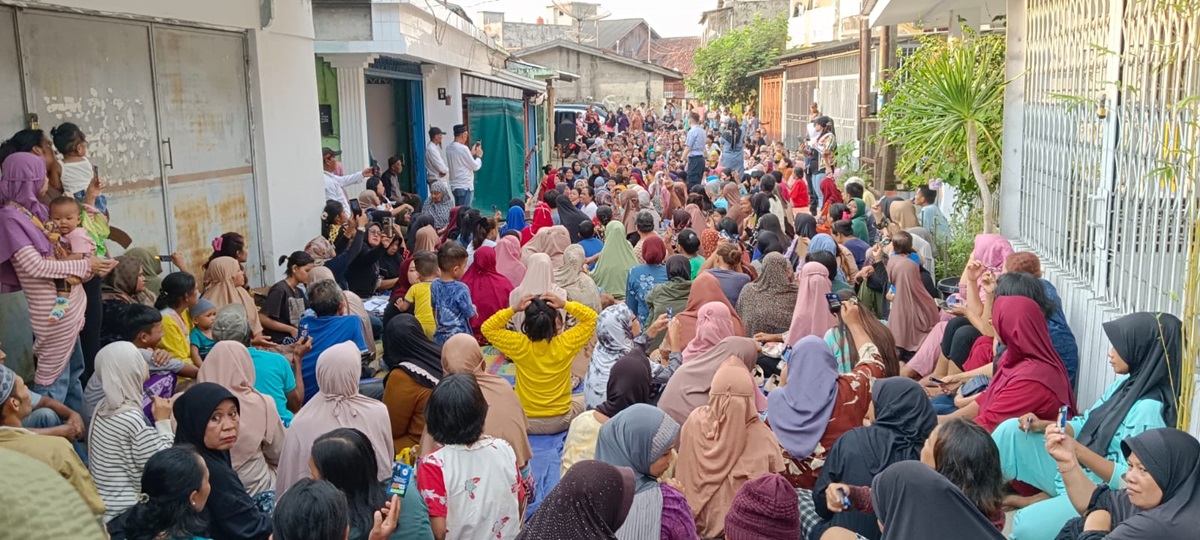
(327,151)
(435,131)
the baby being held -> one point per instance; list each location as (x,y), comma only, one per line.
(71,242)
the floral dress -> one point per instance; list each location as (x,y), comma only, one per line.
(475,487)
(642,279)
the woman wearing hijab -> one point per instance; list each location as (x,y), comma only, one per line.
(615,329)
(151,266)
(713,324)
(627,383)
(337,404)
(671,295)
(814,406)
(903,495)
(1029,376)
(439,205)
(207,418)
(589,503)
(644,277)
(539,280)
(508,259)
(414,367)
(505,418)
(413,240)
(641,438)
(705,289)
(766,304)
(542,218)
(570,217)
(489,289)
(125,284)
(1162,497)
(227,286)
(551,241)
(830,195)
(1146,357)
(574,279)
(119,442)
(859,220)
(903,420)
(515,220)
(615,262)
(962,331)
(689,386)
(913,312)
(260,430)
(722,445)
(845,258)
(811,316)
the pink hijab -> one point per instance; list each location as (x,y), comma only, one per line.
(688,387)
(991,250)
(229,364)
(338,404)
(811,317)
(508,259)
(713,323)
(552,241)
(913,311)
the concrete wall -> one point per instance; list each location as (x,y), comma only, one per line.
(517,35)
(437,112)
(605,80)
(341,22)
(744,11)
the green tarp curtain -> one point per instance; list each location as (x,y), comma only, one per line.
(498,123)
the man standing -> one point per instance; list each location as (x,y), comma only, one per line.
(696,138)
(335,186)
(463,163)
(435,164)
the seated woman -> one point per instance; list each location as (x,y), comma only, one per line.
(471,483)
(766,304)
(1146,351)
(260,430)
(337,404)
(641,438)
(615,328)
(414,367)
(627,385)
(207,417)
(176,485)
(705,289)
(814,406)
(225,283)
(1162,497)
(119,442)
(722,445)
(904,495)
(1060,332)
(688,388)
(542,356)
(901,421)
(988,256)
(615,262)
(592,501)
(811,316)
(671,295)
(344,458)
(913,312)
(1029,376)
(726,265)
(644,277)
(857,329)
(285,304)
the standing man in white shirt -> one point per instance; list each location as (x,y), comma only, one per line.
(463,162)
(435,164)
(335,186)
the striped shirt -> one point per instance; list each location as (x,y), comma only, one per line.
(53,341)
(118,448)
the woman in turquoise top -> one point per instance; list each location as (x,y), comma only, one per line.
(1146,354)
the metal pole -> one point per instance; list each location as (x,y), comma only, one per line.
(885,164)
(864,81)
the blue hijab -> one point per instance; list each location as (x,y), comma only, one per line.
(515,221)
(826,243)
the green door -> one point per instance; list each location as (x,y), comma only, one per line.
(497,122)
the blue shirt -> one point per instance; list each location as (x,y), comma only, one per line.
(452,309)
(591,246)
(325,333)
(695,141)
(1145,414)
(1061,335)
(642,279)
(859,249)
(274,377)
(932,219)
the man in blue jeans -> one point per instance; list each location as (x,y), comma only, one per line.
(463,162)
(695,151)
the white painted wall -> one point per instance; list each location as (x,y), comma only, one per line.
(437,112)
(381,122)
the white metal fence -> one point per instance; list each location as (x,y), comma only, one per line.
(1105,163)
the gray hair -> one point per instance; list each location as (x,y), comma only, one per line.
(325,297)
(232,324)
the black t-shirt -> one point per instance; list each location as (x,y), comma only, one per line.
(284,304)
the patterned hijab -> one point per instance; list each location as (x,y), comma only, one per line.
(766,304)
(590,503)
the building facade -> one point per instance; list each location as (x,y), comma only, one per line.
(603,77)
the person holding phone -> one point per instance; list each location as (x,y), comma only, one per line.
(335,186)
(463,162)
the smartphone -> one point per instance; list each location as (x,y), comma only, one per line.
(302,333)
(95,171)
(166,258)
(670,314)
(941,304)
(885,242)
(401,475)
(937,380)
(835,302)
(528,194)
(355,209)
(1062,418)
(845,498)
(388,224)
(495,209)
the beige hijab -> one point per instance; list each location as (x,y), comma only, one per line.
(721,446)
(229,364)
(574,279)
(505,417)
(552,241)
(222,291)
(427,239)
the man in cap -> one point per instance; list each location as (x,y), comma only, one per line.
(335,186)
(463,162)
(435,164)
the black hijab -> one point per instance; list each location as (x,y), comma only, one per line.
(903,495)
(1172,458)
(406,348)
(1151,344)
(679,267)
(770,222)
(628,383)
(418,222)
(230,512)
(769,242)
(590,503)
(806,225)
(570,217)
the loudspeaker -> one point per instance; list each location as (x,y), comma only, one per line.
(564,134)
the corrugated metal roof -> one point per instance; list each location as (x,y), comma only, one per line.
(677,53)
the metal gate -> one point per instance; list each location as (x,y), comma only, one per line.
(1108,183)
(165,110)
(837,95)
(799,92)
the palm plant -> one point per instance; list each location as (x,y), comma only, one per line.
(946,112)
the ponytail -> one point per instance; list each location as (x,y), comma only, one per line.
(539,321)
(297,258)
(175,287)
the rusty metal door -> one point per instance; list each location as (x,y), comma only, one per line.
(200,83)
(12,102)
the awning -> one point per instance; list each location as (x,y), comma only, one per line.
(501,84)
(892,12)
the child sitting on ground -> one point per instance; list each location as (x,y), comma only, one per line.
(421,273)
(71,242)
(451,299)
(204,314)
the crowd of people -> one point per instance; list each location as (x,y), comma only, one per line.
(720,337)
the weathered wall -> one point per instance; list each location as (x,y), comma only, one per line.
(516,35)
(744,11)
(341,22)
(604,80)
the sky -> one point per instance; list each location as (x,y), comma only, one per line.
(669,19)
